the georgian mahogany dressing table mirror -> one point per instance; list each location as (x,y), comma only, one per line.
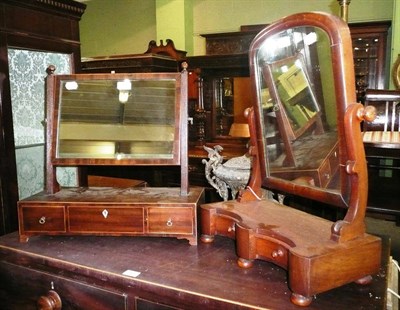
(124,119)
(305,141)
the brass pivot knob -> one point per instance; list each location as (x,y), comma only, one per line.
(51,301)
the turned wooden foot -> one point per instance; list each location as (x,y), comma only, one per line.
(365,280)
(207,238)
(245,263)
(300,300)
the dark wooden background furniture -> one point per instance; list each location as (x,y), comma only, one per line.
(157,58)
(370,49)
(87,273)
(36,25)
(382,147)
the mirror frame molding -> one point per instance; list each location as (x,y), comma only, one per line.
(180,150)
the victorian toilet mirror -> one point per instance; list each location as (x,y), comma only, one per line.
(305,141)
(116,120)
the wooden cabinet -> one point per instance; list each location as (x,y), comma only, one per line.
(89,272)
(370,51)
(40,287)
(106,211)
(36,25)
(130,63)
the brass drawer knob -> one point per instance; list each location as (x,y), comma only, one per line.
(42,220)
(51,301)
(169,222)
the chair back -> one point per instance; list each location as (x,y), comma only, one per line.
(385,127)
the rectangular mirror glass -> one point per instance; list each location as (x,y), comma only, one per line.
(120,117)
(116,119)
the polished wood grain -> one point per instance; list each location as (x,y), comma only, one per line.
(134,211)
(86,272)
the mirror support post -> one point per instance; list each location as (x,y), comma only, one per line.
(353,226)
(51,185)
(253,189)
(184,132)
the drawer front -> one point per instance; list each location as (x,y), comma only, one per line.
(22,287)
(225,226)
(272,251)
(42,218)
(143,304)
(105,219)
(170,220)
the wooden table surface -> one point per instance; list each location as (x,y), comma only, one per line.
(195,272)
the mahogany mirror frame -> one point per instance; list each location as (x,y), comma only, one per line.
(179,151)
(352,193)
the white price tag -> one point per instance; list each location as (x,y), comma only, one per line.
(131,273)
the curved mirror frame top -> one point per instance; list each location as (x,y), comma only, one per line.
(302,90)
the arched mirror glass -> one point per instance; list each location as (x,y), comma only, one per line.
(300,113)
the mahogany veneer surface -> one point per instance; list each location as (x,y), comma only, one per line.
(171,273)
(294,240)
(150,211)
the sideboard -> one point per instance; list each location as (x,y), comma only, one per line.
(89,272)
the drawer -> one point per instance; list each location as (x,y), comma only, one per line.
(42,218)
(105,219)
(272,251)
(174,220)
(24,286)
(144,304)
(225,226)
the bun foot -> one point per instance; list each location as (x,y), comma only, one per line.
(207,238)
(365,280)
(300,300)
(245,263)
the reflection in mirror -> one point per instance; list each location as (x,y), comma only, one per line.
(298,107)
(116,119)
(231,100)
(294,95)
